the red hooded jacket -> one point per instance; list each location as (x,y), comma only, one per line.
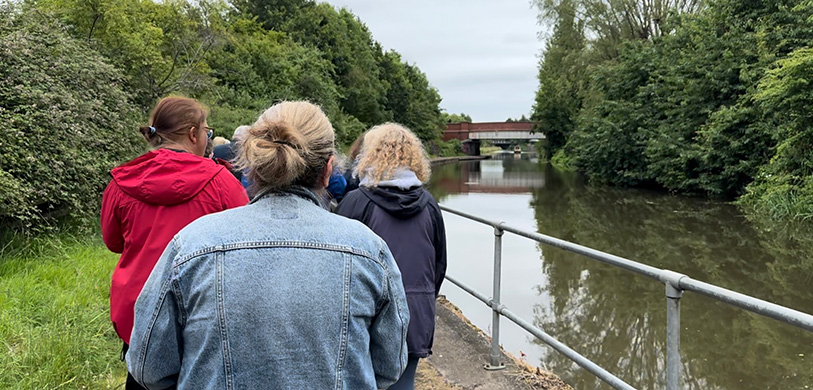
(149,200)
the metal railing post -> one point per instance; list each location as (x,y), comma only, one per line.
(673,295)
(495,363)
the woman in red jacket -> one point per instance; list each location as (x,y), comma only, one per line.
(153,197)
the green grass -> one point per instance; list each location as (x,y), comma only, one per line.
(485,150)
(55,329)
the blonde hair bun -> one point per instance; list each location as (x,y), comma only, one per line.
(289,144)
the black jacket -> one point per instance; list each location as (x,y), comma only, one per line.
(352,182)
(228,152)
(411,224)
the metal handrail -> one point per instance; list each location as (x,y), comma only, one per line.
(676,283)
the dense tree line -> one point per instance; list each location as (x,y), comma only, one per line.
(79,75)
(696,97)
(455,118)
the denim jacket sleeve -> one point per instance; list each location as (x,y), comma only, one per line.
(154,356)
(388,348)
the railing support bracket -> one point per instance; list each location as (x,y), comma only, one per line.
(495,363)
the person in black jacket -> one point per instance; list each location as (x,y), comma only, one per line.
(228,152)
(391,200)
(349,175)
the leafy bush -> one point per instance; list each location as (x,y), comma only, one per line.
(66,119)
(561,160)
(784,187)
(715,103)
(450,148)
(610,140)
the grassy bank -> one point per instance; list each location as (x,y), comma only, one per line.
(485,150)
(55,329)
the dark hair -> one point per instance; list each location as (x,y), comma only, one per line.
(172,118)
(355,148)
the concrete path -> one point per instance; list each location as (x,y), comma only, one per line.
(443,160)
(461,350)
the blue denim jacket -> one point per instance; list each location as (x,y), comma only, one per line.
(279,294)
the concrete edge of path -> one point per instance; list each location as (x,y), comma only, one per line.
(443,160)
(460,352)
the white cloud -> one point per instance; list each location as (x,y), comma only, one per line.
(480,54)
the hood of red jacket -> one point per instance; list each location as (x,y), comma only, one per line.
(165,177)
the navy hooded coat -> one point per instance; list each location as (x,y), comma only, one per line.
(411,224)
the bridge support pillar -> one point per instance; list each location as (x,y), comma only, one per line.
(471,147)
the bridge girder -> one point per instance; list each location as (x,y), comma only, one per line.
(505,135)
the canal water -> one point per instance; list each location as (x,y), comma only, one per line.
(616,318)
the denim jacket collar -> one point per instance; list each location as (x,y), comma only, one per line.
(293,190)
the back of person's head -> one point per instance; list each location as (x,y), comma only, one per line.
(290,144)
(389,147)
(171,120)
(217,141)
(210,147)
(240,132)
(355,148)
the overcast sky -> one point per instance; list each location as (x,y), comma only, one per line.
(481,55)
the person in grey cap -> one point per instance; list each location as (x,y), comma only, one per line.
(228,151)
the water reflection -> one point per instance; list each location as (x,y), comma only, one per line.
(616,318)
(506,173)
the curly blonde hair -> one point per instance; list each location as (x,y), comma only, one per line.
(388,147)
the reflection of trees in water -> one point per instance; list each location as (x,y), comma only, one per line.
(618,319)
(512,164)
(444,180)
(516,175)
(791,241)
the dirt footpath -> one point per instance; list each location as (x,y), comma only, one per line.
(461,350)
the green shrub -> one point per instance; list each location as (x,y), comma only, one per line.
(66,120)
(562,160)
(450,148)
(784,187)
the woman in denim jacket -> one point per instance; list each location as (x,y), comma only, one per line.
(279,294)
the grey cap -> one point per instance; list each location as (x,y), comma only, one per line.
(240,132)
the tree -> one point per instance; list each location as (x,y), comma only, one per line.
(610,138)
(373,86)
(455,118)
(67,121)
(681,109)
(343,41)
(254,68)
(611,22)
(561,75)
(783,188)
(161,47)
(423,115)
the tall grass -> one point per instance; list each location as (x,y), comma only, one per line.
(55,329)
